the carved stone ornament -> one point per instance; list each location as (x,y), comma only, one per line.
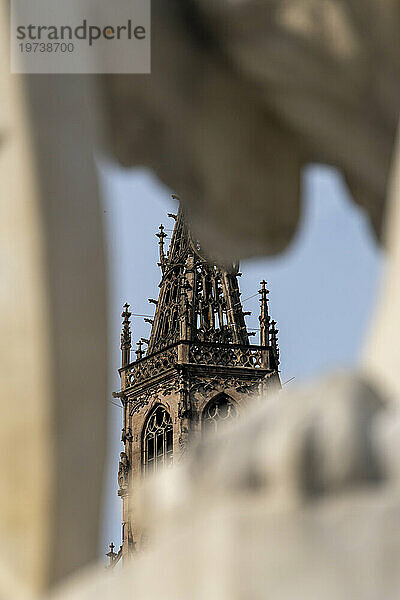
(202,386)
(158,392)
(123,471)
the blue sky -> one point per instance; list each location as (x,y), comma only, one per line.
(322,289)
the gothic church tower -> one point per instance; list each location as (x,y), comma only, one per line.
(199,368)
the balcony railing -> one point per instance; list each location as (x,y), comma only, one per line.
(197,353)
(151,366)
(228,355)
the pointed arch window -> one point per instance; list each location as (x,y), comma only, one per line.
(157,440)
(219,410)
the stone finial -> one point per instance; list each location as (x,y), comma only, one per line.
(139,352)
(264,315)
(111,555)
(274,340)
(126,336)
(161,236)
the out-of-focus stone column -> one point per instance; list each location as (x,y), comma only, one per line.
(53,324)
(382,352)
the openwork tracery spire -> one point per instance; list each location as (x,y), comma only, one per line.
(199,300)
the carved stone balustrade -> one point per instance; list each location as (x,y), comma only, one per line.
(229,355)
(197,353)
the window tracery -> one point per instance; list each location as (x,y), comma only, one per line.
(157,440)
(219,410)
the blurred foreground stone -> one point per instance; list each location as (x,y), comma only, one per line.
(243,94)
(53,364)
(301,500)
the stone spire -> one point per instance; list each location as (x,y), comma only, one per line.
(126,337)
(198,300)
